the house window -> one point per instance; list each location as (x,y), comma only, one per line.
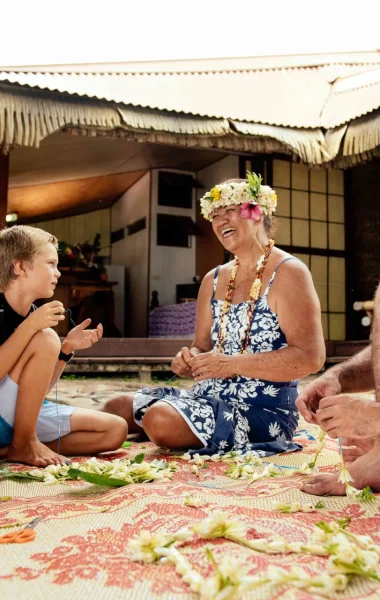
(173,230)
(311,216)
(175,189)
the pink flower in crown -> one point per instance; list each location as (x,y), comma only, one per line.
(251,211)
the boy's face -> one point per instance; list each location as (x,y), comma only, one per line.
(42,274)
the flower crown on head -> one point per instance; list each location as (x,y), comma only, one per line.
(250,194)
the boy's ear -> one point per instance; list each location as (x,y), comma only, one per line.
(19,268)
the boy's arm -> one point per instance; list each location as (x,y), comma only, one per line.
(44,317)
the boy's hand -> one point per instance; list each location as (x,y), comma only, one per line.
(81,338)
(48,315)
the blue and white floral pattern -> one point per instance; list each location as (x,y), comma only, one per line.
(238,413)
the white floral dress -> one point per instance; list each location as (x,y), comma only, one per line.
(237,413)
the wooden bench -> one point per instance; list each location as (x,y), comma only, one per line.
(145,356)
(142,356)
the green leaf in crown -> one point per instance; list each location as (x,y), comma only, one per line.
(254,182)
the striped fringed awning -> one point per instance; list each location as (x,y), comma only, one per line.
(166,127)
(27,116)
(309,144)
(164,121)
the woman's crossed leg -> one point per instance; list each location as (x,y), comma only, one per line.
(162,423)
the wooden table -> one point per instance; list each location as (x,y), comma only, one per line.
(71,291)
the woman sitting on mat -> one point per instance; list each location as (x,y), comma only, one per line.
(263,315)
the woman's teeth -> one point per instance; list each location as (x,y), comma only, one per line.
(228,232)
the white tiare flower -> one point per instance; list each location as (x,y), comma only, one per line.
(344,475)
(144,546)
(277,546)
(306,469)
(219,525)
(183,535)
(227,582)
(351,491)
(215,457)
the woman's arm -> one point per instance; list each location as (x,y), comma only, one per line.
(297,306)
(202,342)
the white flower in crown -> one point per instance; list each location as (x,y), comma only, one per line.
(251,192)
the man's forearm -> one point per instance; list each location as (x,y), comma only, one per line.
(356,374)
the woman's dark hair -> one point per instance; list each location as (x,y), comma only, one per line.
(270,223)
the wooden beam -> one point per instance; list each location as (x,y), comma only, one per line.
(4,175)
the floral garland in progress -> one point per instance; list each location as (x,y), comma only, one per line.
(348,555)
(254,295)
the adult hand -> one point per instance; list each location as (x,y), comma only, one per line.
(48,315)
(181,362)
(213,365)
(349,416)
(309,399)
(81,338)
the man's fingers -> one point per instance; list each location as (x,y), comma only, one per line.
(99,331)
(326,414)
(304,410)
(331,401)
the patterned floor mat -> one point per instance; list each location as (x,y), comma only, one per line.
(81,546)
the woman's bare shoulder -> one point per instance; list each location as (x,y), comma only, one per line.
(293,271)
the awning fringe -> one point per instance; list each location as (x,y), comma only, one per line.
(28,116)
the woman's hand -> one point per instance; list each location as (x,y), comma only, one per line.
(213,365)
(181,362)
(81,338)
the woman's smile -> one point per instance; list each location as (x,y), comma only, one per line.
(228,232)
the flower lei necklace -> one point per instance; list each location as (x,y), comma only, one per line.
(253,297)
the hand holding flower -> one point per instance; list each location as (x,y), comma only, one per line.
(349,416)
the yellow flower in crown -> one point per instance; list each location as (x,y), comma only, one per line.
(215,194)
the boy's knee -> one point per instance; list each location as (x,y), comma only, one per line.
(47,340)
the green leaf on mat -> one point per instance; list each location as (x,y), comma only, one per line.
(5,498)
(96,479)
(126,445)
(138,458)
(8,474)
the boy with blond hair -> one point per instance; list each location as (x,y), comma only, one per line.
(32,359)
